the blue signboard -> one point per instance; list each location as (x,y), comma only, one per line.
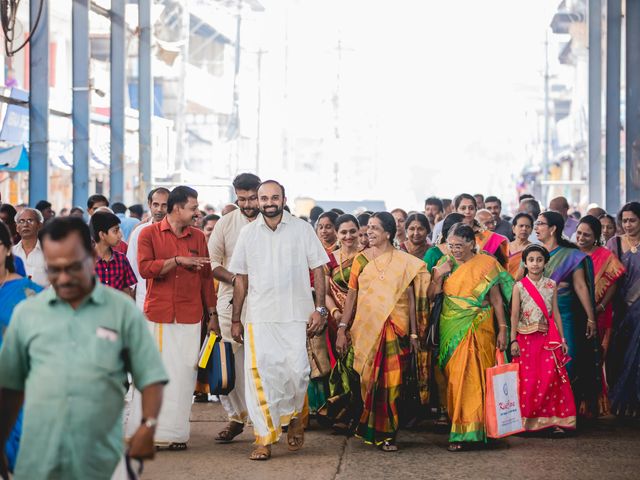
(15,128)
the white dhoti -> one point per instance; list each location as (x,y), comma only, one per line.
(179,345)
(276,376)
(234,403)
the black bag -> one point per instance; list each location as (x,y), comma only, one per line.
(433,333)
(410,408)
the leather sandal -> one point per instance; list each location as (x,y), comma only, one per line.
(295,435)
(228,433)
(261,453)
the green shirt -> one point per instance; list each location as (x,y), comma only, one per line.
(70,364)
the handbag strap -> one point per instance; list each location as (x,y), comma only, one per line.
(534,293)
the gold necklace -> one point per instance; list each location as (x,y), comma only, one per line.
(633,248)
(382,272)
(340,266)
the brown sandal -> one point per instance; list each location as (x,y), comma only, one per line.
(261,453)
(228,433)
(295,435)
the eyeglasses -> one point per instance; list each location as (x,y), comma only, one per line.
(456,246)
(27,221)
(72,269)
(537,224)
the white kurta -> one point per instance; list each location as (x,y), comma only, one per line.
(221,246)
(132,256)
(278,303)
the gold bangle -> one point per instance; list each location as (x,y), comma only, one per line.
(333,311)
(413,335)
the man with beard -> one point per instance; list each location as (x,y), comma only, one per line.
(221,245)
(157,200)
(272,259)
(173,257)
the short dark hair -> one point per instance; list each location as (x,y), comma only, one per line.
(180,196)
(315,212)
(363,219)
(246,181)
(102,221)
(10,211)
(388,223)
(210,218)
(275,183)
(450,220)
(118,207)
(421,218)
(42,205)
(156,190)
(446,202)
(532,207)
(97,198)
(524,196)
(435,201)
(59,228)
(339,211)
(136,209)
(76,209)
(492,199)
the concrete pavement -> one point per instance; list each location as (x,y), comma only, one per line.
(605,449)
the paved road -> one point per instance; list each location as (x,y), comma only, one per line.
(607,449)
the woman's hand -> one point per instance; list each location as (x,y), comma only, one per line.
(564,347)
(414,345)
(515,349)
(591,328)
(342,342)
(444,269)
(338,316)
(501,342)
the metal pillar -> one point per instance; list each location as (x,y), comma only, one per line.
(547,114)
(612,161)
(118,81)
(633,100)
(595,101)
(145,96)
(39,104)
(81,92)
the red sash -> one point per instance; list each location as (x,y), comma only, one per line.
(554,342)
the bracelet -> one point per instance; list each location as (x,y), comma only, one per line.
(333,311)
(591,321)
(233,281)
(343,325)
(502,325)
(513,341)
(601,307)
(175,259)
(414,336)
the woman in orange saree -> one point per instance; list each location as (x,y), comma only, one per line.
(389,287)
(476,288)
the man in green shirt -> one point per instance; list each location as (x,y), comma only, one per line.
(66,353)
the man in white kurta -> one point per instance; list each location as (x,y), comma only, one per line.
(272,258)
(221,246)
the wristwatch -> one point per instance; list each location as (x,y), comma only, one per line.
(324,313)
(149,422)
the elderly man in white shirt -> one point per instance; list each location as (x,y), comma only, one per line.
(28,224)
(221,246)
(272,259)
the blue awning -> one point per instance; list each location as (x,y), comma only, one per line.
(14,159)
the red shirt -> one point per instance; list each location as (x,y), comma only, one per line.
(115,272)
(180,294)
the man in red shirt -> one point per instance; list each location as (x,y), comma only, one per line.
(173,257)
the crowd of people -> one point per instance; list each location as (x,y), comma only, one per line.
(365,322)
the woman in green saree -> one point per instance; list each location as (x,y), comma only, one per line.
(476,289)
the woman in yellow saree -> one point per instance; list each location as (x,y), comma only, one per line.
(390,288)
(475,289)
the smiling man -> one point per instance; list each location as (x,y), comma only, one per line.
(272,259)
(173,257)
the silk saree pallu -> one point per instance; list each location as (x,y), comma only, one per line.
(380,336)
(584,368)
(468,342)
(513,265)
(494,244)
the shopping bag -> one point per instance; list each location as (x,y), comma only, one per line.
(219,370)
(502,400)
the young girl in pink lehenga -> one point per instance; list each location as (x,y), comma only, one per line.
(538,345)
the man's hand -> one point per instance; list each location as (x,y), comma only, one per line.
(193,263)
(214,324)
(237,332)
(316,324)
(141,444)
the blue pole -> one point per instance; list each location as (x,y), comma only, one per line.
(595,101)
(118,58)
(612,161)
(81,92)
(39,104)
(633,100)
(145,96)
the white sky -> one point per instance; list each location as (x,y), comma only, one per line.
(447,83)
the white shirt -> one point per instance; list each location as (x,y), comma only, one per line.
(277,263)
(222,244)
(132,255)
(34,264)
(437,230)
